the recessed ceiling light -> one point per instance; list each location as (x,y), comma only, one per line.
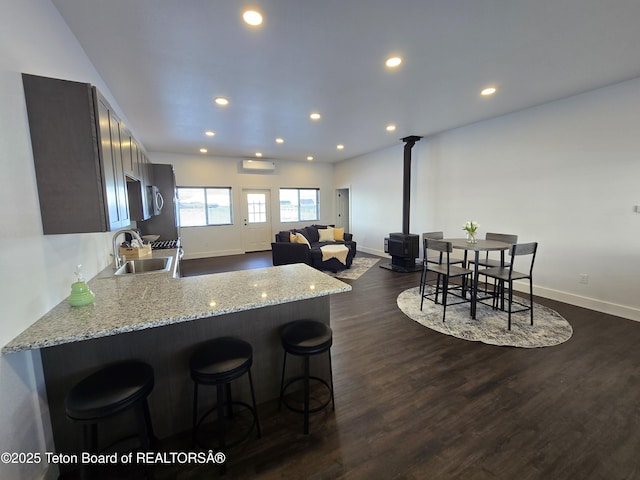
(252,17)
(203,150)
(221,101)
(488,91)
(258,154)
(314,116)
(393,62)
(391,128)
(209,133)
(279,140)
(340,146)
(309,158)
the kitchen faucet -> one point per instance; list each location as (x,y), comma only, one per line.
(116,250)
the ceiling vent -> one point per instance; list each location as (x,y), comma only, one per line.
(258,165)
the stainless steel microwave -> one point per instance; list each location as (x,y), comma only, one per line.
(156,202)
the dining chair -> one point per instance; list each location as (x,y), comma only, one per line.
(444,270)
(493,262)
(489,262)
(506,275)
(434,258)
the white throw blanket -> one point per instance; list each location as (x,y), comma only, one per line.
(339,252)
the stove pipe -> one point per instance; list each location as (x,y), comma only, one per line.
(406,183)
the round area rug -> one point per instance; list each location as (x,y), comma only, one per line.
(549,327)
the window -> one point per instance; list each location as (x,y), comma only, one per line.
(299,204)
(199,206)
(257,206)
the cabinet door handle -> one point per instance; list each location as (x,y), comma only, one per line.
(159,201)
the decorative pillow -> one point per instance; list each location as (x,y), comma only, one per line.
(293,238)
(304,232)
(300,238)
(338,234)
(283,236)
(311,233)
(326,235)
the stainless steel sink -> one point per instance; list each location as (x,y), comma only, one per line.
(145,265)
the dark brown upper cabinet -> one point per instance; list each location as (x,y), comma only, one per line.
(78,143)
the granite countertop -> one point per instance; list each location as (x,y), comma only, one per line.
(137,302)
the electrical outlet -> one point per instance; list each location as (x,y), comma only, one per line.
(584,278)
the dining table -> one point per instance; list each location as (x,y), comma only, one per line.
(480,245)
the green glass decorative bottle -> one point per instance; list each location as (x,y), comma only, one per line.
(80,292)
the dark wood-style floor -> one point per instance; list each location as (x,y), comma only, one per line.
(415,404)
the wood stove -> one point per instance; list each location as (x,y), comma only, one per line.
(404,247)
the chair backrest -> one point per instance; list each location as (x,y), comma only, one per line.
(502,237)
(522,249)
(438,245)
(443,249)
(433,235)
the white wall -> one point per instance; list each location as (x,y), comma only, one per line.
(565,174)
(38,269)
(375,183)
(205,171)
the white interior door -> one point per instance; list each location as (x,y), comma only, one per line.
(342,208)
(257,220)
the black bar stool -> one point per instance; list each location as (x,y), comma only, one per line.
(107,392)
(218,362)
(306,338)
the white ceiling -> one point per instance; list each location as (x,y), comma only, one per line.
(165,61)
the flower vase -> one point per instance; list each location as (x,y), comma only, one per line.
(471,238)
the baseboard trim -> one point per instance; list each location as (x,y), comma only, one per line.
(609,308)
(373,251)
(216,253)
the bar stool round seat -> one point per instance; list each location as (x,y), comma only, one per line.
(306,338)
(110,391)
(219,362)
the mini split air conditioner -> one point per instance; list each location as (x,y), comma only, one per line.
(258,165)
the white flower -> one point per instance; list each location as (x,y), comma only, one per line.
(471,226)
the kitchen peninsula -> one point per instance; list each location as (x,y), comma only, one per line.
(161,320)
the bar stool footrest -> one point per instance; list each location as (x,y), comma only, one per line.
(232,444)
(301,378)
